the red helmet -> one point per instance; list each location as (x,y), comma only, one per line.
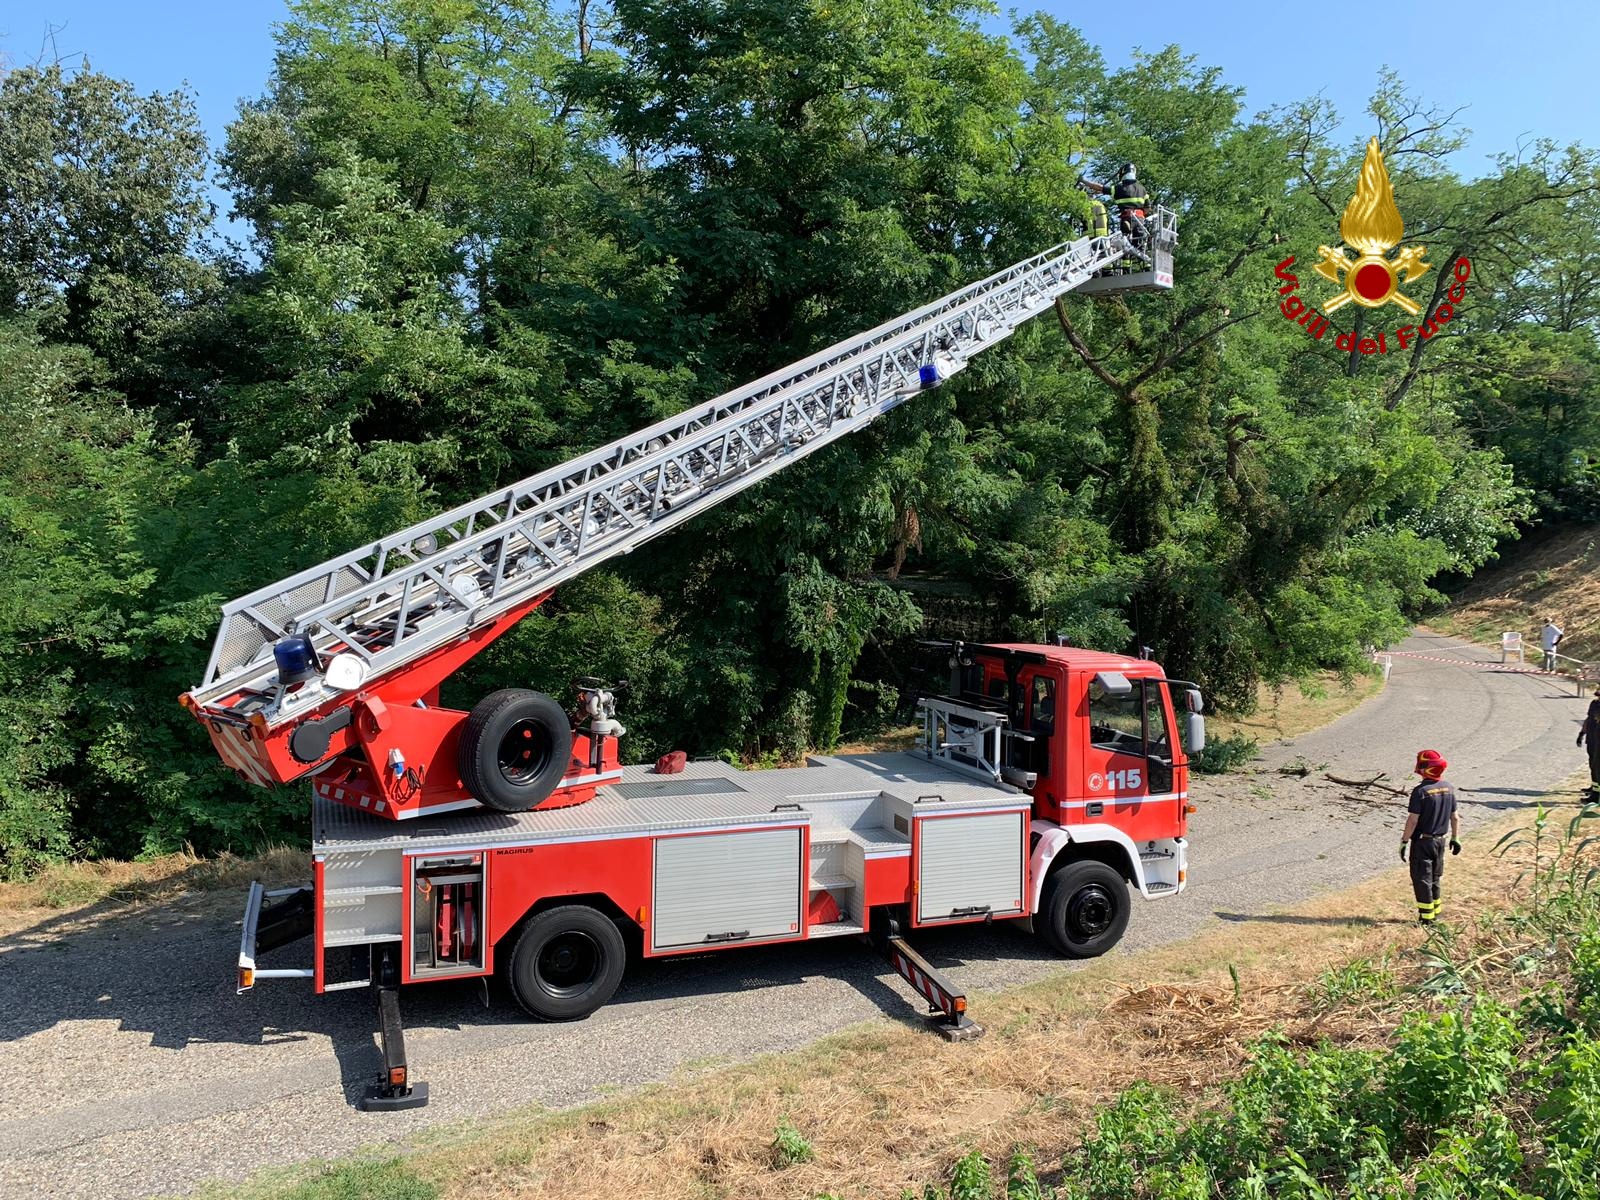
(1430,764)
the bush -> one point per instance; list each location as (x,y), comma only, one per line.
(1453,1064)
(790,1145)
(1224,754)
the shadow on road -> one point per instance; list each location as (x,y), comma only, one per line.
(167,969)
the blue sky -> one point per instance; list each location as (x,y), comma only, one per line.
(1454,55)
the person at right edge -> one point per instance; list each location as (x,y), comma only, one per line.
(1589,733)
(1431,813)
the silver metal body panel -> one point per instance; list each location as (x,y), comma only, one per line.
(719,888)
(969,864)
(361,900)
(855,799)
(397,599)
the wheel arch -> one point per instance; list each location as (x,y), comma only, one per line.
(1055,846)
(595,900)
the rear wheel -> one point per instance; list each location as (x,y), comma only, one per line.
(567,962)
(514,749)
(1085,909)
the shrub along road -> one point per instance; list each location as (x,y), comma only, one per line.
(141,1072)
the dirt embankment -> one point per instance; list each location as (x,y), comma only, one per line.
(1551,572)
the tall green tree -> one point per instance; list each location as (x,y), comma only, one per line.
(103,217)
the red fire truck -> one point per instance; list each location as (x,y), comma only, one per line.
(1049,783)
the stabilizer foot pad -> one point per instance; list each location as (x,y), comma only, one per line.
(966,1030)
(380,1099)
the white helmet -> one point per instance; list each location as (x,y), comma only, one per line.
(1128,174)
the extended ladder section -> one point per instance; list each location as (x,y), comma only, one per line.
(394,601)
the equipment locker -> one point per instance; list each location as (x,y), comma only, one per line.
(971,866)
(716,888)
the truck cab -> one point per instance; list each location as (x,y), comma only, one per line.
(1102,743)
(1093,733)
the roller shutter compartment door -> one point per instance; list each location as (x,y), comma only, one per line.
(726,888)
(970,865)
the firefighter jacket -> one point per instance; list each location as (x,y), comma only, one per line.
(1589,731)
(1434,803)
(1130,195)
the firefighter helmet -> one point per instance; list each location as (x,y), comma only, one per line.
(1430,764)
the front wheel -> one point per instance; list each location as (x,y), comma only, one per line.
(1085,909)
(567,962)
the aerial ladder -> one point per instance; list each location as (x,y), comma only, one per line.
(334,672)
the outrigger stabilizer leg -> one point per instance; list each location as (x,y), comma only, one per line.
(395,1089)
(947,1008)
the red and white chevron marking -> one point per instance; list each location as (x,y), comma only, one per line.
(920,980)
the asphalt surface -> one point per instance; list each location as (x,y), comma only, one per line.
(132,1068)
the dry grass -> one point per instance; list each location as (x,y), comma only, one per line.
(896,740)
(887,1107)
(114,885)
(1289,711)
(1550,573)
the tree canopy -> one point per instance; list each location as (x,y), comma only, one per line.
(488,234)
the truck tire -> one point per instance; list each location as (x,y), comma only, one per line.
(514,749)
(567,962)
(1085,909)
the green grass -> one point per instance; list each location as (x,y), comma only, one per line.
(389,1179)
(790,1145)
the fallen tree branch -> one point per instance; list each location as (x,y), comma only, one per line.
(1374,782)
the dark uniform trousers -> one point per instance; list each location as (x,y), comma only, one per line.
(1593,746)
(1427,867)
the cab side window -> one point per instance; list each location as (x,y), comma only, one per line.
(1116,722)
(1042,706)
(1156,737)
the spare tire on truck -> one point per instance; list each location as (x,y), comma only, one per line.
(514,749)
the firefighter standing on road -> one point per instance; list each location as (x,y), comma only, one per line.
(1589,733)
(1432,812)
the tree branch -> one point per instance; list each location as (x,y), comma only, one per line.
(1089,360)
(1168,359)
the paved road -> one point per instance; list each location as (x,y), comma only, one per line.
(132,1068)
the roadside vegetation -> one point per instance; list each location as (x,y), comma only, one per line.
(485,235)
(1473,1072)
(1333,1050)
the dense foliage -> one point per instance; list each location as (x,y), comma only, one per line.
(487,234)
(1487,1086)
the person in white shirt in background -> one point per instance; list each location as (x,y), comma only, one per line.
(1549,638)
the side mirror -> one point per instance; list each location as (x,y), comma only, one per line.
(1194,732)
(1193,701)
